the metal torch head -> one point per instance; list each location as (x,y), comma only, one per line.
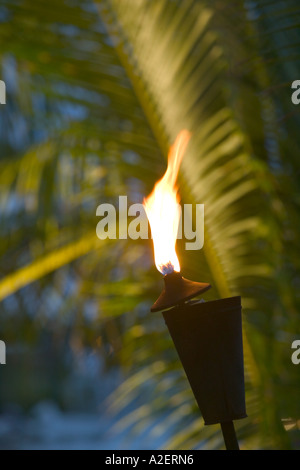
(177,290)
(209,342)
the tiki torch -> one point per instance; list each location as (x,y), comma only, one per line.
(206,335)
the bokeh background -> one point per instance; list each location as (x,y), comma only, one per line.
(96,93)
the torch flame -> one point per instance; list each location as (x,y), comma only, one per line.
(163,209)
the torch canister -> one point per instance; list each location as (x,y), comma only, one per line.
(208,340)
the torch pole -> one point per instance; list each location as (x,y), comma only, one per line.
(230,439)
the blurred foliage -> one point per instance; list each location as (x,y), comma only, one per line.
(96,93)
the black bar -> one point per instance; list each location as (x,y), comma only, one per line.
(231,442)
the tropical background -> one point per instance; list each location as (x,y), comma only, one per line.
(96,93)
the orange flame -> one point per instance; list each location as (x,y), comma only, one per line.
(163,209)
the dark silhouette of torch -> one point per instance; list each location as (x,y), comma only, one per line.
(206,335)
